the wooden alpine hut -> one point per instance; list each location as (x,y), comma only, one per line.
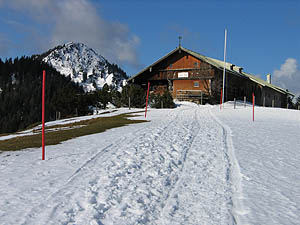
(191,76)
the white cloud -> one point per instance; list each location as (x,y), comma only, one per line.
(79,21)
(288,76)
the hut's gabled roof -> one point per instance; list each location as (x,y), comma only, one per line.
(231,68)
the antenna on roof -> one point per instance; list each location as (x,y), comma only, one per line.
(179,40)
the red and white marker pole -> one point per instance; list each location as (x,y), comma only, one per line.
(147,99)
(253,99)
(43,116)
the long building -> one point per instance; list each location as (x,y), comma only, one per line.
(191,76)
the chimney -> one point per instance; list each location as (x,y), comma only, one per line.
(269,78)
(240,70)
(232,66)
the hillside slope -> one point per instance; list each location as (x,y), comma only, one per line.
(189,165)
(267,151)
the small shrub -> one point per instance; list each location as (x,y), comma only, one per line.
(162,101)
(137,96)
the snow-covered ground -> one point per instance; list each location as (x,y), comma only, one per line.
(268,152)
(189,165)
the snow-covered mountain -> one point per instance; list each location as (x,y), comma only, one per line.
(85,66)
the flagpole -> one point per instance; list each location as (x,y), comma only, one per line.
(224,75)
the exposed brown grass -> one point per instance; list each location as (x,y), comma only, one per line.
(74,130)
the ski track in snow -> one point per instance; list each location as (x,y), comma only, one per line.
(175,171)
(267,152)
(233,174)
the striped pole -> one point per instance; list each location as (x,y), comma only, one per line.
(253,99)
(43,116)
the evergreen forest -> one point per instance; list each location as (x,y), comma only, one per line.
(21,94)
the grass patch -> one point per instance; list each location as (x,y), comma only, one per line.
(86,127)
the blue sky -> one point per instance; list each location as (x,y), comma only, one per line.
(263,36)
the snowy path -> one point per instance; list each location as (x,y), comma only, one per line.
(176,169)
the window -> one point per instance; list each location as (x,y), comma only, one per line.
(171,65)
(196,83)
(196,65)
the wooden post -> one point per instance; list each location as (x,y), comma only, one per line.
(299,107)
(234,102)
(245,101)
(287,105)
(43,116)
(162,104)
(201,98)
(264,103)
(129,103)
(273,103)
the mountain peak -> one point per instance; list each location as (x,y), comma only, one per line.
(84,66)
(76,45)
